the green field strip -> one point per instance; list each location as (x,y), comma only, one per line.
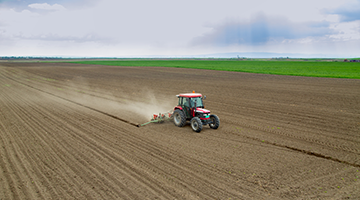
(294,68)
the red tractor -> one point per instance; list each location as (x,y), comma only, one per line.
(191,108)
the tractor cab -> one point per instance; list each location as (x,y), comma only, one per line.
(189,103)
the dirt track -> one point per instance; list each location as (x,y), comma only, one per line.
(63,135)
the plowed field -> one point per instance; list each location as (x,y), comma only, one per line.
(67,131)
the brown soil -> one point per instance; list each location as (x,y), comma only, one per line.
(67,132)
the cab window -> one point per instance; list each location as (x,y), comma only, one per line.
(198,101)
(186,102)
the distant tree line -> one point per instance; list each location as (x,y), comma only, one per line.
(28,58)
(49,58)
(346,60)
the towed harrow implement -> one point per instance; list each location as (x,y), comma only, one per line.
(159,118)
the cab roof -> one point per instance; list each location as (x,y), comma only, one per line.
(190,95)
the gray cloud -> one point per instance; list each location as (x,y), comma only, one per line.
(261,30)
(347,13)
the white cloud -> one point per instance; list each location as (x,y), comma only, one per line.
(347,31)
(76,39)
(19,5)
(46,6)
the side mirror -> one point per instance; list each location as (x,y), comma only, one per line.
(204,97)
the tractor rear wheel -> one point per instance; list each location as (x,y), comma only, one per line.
(215,122)
(196,124)
(179,118)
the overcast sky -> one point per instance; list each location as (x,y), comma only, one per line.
(117,28)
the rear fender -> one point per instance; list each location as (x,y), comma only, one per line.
(178,107)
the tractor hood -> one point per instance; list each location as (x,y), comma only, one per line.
(202,110)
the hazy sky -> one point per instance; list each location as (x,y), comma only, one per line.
(175,28)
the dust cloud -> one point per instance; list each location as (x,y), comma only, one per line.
(133,104)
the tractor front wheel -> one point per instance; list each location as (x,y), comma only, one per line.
(215,122)
(179,118)
(196,124)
